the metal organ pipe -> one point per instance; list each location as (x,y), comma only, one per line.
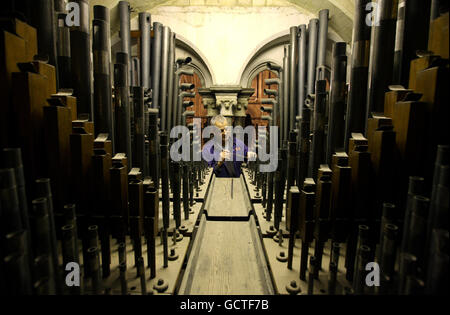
(381,54)
(103,115)
(156,63)
(301,68)
(80,50)
(357,97)
(337,108)
(292,79)
(124,33)
(144,28)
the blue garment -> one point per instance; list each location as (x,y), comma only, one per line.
(228,168)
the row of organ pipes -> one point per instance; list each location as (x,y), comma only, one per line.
(363,149)
(96,178)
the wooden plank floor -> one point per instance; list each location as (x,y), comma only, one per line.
(228,198)
(227,257)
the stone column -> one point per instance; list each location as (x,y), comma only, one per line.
(209,102)
(241,107)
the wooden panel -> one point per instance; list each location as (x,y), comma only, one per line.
(57,130)
(12,51)
(254,104)
(29,92)
(200,111)
(438,41)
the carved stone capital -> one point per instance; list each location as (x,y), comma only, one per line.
(226,103)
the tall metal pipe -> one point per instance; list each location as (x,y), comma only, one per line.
(70,218)
(357,98)
(124,33)
(156,63)
(122,106)
(284,106)
(337,108)
(94,263)
(138,137)
(101,46)
(43,19)
(175,91)
(312,55)
(42,237)
(43,190)
(434,14)
(279,183)
(60,5)
(144,28)
(381,54)
(437,271)
(411,35)
(293,59)
(417,229)
(318,150)
(16,271)
(438,217)
(292,157)
(69,251)
(164,76)
(80,51)
(176,194)
(153,147)
(170,81)
(12,159)
(301,68)
(304,146)
(63,52)
(322,42)
(388,250)
(416,187)
(135,72)
(165,192)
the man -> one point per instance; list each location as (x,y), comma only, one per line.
(223,165)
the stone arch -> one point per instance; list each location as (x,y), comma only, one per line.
(199,63)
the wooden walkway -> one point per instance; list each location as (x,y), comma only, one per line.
(227,256)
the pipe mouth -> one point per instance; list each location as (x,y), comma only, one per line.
(101,13)
(68,227)
(70,206)
(390,230)
(363,227)
(92,250)
(93,228)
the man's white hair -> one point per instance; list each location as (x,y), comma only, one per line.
(219,119)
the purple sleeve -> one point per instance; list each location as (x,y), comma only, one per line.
(210,148)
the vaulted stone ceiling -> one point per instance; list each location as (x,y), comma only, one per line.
(341,11)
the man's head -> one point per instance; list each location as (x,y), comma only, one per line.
(221,123)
